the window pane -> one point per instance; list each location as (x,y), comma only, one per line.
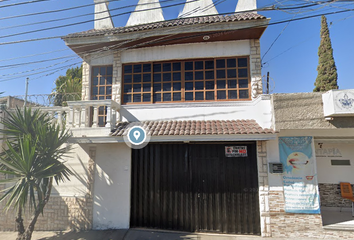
(157,97)
(108,97)
(188,76)
(232,84)
(177,66)
(157,77)
(137,88)
(102,81)
(94,98)
(220,84)
(109,90)
(231,73)
(127,88)
(209,96)
(95,81)
(209,85)
(244,94)
(109,80)
(95,90)
(189,96)
(232,94)
(199,75)
(157,67)
(167,67)
(176,96)
(167,97)
(177,87)
(147,68)
(137,78)
(102,91)
(220,63)
(231,63)
(177,76)
(147,87)
(96,70)
(242,62)
(127,98)
(199,96)
(101,110)
(100,121)
(243,83)
(109,70)
(137,68)
(188,86)
(147,78)
(209,64)
(136,98)
(167,86)
(146,97)
(242,73)
(220,74)
(157,87)
(199,85)
(103,70)
(209,75)
(221,94)
(188,66)
(101,98)
(128,78)
(198,65)
(167,77)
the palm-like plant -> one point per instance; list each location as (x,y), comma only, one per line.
(34,152)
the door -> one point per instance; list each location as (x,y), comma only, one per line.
(195,187)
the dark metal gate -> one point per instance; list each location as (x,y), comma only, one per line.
(195,187)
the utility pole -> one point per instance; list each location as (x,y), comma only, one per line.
(26,93)
(267,82)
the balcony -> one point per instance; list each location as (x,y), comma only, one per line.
(82,117)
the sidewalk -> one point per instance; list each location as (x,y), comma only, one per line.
(133,234)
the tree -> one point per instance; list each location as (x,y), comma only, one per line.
(327,70)
(68,87)
(33,155)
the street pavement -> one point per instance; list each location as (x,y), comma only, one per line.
(133,234)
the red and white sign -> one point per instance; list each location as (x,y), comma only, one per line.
(236,151)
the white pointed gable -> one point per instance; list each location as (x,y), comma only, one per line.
(102,16)
(142,17)
(198,8)
(246,5)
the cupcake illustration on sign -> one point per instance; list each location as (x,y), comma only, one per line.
(298,161)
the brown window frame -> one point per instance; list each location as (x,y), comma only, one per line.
(102,111)
(232,85)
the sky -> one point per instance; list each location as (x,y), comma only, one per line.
(288,49)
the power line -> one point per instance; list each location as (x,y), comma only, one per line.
(22,3)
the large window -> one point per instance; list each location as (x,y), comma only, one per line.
(101,89)
(217,79)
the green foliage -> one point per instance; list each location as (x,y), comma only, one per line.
(34,152)
(68,87)
(327,70)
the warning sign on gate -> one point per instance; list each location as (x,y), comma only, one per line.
(236,151)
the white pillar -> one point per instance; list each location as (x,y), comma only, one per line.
(103,17)
(141,16)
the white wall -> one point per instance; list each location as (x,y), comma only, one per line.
(325,152)
(275,181)
(112,187)
(187,51)
(77,160)
(259,110)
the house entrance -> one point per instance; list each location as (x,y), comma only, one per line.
(196,188)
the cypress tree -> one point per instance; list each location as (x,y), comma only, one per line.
(327,70)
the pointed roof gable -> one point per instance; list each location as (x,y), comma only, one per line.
(143,16)
(246,5)
(103,19)
(194,8)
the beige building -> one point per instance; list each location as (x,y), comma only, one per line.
(195,84)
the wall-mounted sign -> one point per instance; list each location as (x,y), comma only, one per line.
(338,103)
(236,151)
(299,177)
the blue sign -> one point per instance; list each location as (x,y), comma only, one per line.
(136,135)
(299,178)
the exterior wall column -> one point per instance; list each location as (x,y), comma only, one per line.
(263,188)
(85,95)
(117,77)
(256,70)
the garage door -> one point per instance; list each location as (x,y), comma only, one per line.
(196,188)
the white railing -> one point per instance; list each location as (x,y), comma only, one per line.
(84,114)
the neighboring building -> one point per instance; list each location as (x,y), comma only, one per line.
(195,83)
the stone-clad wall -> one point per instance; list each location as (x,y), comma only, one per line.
(331,197)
